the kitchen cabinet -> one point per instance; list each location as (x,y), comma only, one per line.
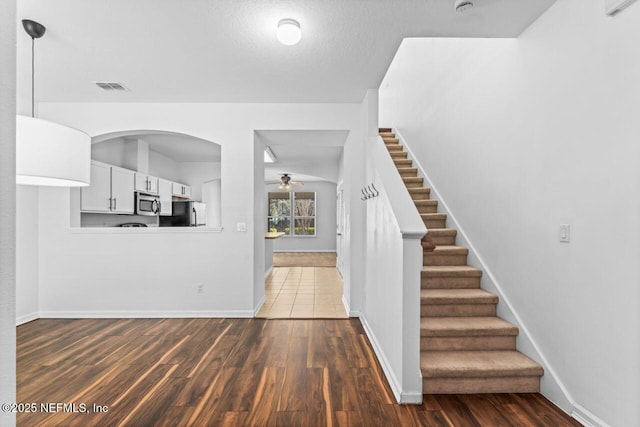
(181,190)
(165,190)
(146,183)
(111,190)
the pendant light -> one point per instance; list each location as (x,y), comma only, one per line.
(47,153)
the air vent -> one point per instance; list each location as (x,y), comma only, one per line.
(110,86)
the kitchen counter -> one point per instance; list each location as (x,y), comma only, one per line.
(268,249)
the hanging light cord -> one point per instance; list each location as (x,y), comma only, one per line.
(33,73)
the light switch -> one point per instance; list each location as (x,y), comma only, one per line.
(565,233)
(241,226)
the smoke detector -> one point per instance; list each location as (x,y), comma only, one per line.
(462,5)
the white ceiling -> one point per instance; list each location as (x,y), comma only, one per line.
(226,50)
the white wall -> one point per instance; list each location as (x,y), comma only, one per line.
(325,239)
(521,135)
(95,273)
(164,167)
(113,152)
(195,174)
(7,208)
(27,254)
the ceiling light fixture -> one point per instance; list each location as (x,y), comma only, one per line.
(289,32)
(49,154)
(462,5)
(269,157)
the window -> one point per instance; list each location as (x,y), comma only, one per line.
(302,216)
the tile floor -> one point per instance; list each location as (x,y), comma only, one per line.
(303,293)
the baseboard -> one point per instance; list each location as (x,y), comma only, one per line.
(489,279)
(268,272)
(21,320)
(348,309)
(586,418)
(305,251)
(145,314)
(386,368)
(259,305)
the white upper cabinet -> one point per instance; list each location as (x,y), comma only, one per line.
(181,190)
(165,190)
(111,190)
(123,198)
(146,183)
(97,196)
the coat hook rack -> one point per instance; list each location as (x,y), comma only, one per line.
(369,192)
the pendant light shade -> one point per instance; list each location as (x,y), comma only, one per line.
(50,154)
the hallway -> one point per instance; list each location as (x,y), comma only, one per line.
(303,293)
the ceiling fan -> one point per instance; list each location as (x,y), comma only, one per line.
(285,182)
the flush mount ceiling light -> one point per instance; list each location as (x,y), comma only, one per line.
(289,32)
(462,5)
(49,154)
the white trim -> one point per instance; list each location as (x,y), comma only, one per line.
(26,318)
(309,251)
(151,314)
(487,274)
(386,368)
(143,230)
(586,418)
(347,309)
(259,305)
(268,272)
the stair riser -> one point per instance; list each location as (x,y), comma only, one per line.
(403,163)
(420,196)
(450,282)
(457,310)
(411,173)
(433,258)
(467,343)
(417,184)
(428,209)
(435,222)
(443,240)
(524,384)
(390,140)
(394,147)
(398,154)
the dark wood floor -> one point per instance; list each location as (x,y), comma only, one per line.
(234,372)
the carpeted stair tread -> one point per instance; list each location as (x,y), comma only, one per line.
(485,364)
(457,296)
(403,162)
(449,250)
(465,326)
(404,171)
(427,202)
(433,215)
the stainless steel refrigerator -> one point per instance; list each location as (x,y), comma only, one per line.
(185,214)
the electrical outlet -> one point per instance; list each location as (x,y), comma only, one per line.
(241,226)
(565,233)
(200,288)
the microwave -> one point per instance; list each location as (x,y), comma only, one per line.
(147,204)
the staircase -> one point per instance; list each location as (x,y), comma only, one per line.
(464,346)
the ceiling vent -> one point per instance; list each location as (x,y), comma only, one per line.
(110,86)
